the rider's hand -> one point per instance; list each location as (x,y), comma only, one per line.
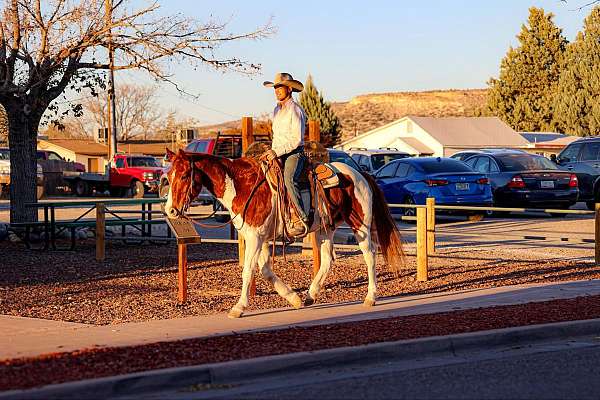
(269,155)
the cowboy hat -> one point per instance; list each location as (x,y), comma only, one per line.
(285,79)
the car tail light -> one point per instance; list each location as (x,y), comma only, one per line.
(573,181)
(516,182)
(483,181)
(436,182)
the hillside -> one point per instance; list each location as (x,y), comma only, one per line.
(366,112)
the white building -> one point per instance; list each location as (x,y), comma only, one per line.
(439,137)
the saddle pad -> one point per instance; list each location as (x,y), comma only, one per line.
(327,175)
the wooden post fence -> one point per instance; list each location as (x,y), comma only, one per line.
(100,231)
(597,234)
(247,140)
(422,272)
(314,135)
(430,225)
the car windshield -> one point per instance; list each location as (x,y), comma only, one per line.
(379,160)
(525,162)
(340,156)
(444,165)
(142,162)
(4,154)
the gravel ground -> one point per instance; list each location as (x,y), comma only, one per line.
(94,363)
(138,283)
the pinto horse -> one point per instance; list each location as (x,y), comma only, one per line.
(241,187)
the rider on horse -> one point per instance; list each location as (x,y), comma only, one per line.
(289,124)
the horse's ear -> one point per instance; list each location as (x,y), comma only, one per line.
(170,155)
(183,154)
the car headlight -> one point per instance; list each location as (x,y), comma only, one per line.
(5,170)
(148,176)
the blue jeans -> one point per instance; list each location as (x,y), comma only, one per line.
(292,169)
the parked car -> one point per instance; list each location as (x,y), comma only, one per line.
(521,179)
(336,155)
(5,175)
(133,174)
(371,160)
(583,158)
(449,181)
(463,155)
(60,163)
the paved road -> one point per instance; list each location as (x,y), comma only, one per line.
(566,369)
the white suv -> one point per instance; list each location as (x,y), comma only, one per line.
(371,160)
(5,175)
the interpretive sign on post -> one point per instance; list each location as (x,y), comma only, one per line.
(185,232)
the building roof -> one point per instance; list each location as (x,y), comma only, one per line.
(470,131)
(548,139)
(417,145)
(80,146)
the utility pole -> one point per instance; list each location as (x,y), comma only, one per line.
(112,120)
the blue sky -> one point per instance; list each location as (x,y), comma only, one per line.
(355,47)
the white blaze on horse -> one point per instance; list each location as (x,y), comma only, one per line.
(241,187)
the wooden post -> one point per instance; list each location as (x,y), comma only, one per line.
(422,273)
(247,140)
(314,135)
(182,273)
(100,231)
(597,235)
(431,225)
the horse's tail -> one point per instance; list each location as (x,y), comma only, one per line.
(384,226)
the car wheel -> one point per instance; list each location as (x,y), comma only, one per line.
(81,188)
(4,194)
(220,218)
(137,189)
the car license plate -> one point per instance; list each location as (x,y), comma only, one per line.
(547,184)
(462,186)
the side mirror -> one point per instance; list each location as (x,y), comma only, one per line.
(553,158)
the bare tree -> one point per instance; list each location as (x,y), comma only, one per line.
(138,114)
(51,45)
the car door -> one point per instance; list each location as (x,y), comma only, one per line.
(587,167)
(386,178)
(119,178)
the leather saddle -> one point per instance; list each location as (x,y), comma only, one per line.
(315,178)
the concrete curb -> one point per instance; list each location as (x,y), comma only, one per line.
(234,371)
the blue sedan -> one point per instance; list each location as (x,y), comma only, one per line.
(449,181)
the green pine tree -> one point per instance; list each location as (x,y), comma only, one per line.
(317,108)
(523,94)
(577,100)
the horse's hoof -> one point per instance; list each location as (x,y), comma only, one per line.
(295,301)
(309,302)
(235,313)
(369,303)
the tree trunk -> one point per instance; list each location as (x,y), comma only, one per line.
(22,134)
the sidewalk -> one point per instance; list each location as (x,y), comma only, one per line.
(29,337)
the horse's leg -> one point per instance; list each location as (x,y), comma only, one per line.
(253,244)
(369,250)
(266,267)
(326,242)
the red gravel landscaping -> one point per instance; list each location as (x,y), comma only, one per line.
(95,363)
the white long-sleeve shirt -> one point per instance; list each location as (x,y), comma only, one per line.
(289,124)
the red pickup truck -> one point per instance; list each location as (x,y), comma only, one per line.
(128,174)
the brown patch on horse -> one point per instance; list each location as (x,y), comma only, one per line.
(214,168)
(247,175)
(346,206)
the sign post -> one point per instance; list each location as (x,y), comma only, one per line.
(185,232)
